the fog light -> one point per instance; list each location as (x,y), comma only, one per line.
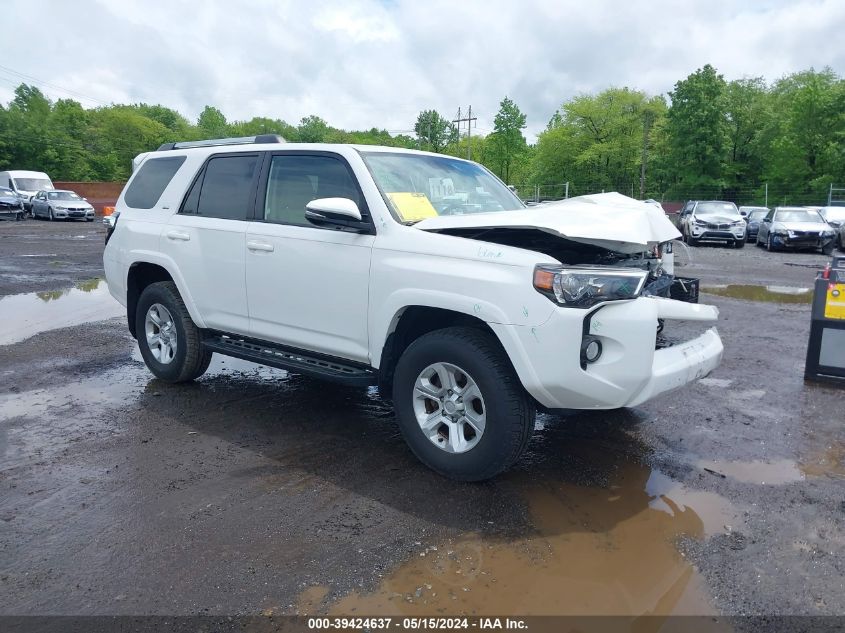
(590,350)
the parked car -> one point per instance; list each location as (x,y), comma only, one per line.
(835,216)
(11,206)
(712,220)
(840,238)
(420,273)
(795,228)
(25,184)
(61,204)
(753,216)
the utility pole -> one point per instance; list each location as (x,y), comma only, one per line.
(767,195)
(647,120)
(469,119)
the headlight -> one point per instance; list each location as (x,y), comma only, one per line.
(828,233)
(583,287)
(738,223)
(700,222)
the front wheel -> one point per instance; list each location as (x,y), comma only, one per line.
(460,405)
(739,243)
(770,245)
(170,342)
(50,215)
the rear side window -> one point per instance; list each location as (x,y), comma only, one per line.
(224,190)
(151,181)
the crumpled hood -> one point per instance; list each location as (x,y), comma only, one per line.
(715,218)
(607,220)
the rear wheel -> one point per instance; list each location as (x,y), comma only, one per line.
(170,342)
(460,405)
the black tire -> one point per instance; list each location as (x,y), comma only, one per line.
(509,409)
(89,219)
(739,243)
(191,359)
(770,245)
(50,215)
(827,250)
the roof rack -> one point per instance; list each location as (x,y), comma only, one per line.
(240,140)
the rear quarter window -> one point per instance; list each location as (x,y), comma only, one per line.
(151,180)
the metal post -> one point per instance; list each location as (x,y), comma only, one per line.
(566,196)
(767,195)
(469,133)
(830,195)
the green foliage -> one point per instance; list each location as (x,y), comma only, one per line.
(506,145)
(698,129)
(716,139)
(597,142)
(434,133)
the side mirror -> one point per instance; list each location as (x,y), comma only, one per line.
(767,219)
(743,213)
(339,212)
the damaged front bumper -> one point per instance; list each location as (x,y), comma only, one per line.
(629,370)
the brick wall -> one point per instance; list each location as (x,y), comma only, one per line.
(99,194)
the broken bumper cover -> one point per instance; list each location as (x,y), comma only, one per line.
(629,371)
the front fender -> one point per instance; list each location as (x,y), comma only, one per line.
(159,259)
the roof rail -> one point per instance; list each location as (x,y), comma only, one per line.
(240,140)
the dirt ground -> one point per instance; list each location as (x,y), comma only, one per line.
(254,491)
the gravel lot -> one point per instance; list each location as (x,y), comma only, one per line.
(257,492)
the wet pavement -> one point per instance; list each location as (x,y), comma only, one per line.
(254,491)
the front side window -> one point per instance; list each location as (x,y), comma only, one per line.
(295,180)
(420,186)
(151,180)
(225,188)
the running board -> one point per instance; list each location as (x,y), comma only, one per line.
(292,359)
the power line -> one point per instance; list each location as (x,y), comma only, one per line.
(79,95)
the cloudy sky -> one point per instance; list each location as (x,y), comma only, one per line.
(368,63)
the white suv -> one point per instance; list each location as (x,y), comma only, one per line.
(420,273)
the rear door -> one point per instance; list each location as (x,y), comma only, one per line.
(308,286)
(206,239)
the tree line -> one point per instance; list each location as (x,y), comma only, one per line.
(707,138)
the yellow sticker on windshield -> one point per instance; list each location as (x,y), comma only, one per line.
(412,206)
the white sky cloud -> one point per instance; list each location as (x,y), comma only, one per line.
(364,63)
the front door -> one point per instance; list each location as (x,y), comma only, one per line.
(307,287)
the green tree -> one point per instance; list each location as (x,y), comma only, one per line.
(313,129)
(697,131)
(506,143)
(804,143)
(434,133)
(212,124)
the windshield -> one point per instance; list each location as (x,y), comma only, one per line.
(798,215)
(836,214)
(63,195)
(757,215)
(418,186)
(32,184)
(717,208)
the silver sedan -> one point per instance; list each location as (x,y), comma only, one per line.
(61,204)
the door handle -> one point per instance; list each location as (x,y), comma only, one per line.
(178,235)
(260,246)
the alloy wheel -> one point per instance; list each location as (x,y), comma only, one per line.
(449,407)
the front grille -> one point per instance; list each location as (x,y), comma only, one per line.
(718,227)
(10,205)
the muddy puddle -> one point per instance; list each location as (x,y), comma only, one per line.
(28,314)
(761,472)
(773,294)
(591,550)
